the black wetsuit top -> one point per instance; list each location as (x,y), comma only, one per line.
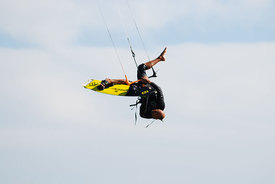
(154,100)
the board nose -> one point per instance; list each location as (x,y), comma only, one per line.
(86,83)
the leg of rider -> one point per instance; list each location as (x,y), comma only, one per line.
(110,82)
(161,57)
(116,81)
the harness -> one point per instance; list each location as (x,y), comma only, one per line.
(144,95)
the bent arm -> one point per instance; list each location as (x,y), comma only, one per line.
(145,80)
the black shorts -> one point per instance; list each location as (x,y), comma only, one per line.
(135,89)
(141,72)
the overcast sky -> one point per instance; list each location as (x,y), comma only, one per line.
(218,83)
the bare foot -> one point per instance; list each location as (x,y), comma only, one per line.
(162,55)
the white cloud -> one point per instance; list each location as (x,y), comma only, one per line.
(223,81)
(44,85)
(215,81)
(219,103)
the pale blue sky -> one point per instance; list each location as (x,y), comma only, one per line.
(235,21)
(218,83)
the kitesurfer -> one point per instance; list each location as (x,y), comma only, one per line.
(152,100)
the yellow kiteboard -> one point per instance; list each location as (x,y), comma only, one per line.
(118,89)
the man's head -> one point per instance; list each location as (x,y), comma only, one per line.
(158,114)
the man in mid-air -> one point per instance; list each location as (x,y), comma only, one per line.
(152,101)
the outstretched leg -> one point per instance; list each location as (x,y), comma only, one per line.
(143,77)
(161,57)
(116,81)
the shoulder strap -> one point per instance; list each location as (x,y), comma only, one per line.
(135,107)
